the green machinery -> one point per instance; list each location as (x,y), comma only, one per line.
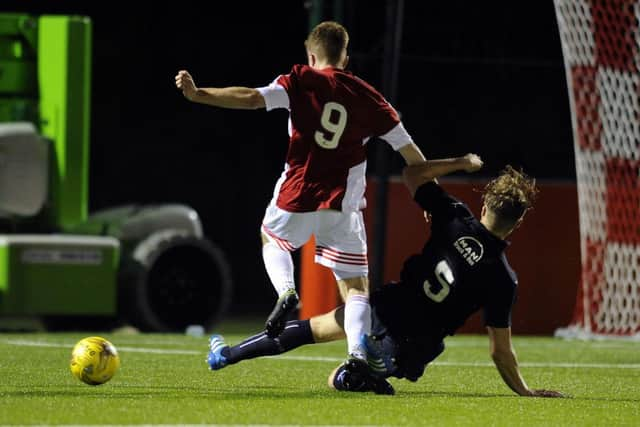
(147,265)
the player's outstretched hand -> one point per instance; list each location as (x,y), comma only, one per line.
(475,162)
(546,393)
(185,82)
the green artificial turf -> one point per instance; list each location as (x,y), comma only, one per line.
(164,380)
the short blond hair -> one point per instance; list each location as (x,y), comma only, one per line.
(328,40)
(510,196)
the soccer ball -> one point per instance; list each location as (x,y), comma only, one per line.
(94,360)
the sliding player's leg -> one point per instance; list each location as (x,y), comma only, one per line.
(329,326)
(323,328)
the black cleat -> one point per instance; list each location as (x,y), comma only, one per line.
(355,375)
(278,317)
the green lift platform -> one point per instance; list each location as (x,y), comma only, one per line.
(149,266)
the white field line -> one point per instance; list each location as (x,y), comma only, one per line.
(26,343)
(200,425)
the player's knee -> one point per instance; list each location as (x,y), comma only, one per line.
(355,285)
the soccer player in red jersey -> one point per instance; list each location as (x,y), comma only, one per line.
(332,116)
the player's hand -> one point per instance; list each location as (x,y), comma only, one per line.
(546,393)
(185,82)
(474,162)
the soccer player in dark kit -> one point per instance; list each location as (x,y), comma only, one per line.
(461,269)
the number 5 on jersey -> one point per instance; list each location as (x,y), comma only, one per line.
(335,127)
(445,278)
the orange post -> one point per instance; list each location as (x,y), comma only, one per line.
(318,289)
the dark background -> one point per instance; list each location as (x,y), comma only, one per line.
(484,77)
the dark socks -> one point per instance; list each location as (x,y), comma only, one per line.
(295,334)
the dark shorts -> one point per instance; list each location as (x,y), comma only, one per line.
(412,355)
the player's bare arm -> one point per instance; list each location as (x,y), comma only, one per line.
(506,362)
(412,154)
(237,97)
(416,175)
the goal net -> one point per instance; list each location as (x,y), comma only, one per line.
(601,47)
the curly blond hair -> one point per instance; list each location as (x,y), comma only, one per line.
(509,196)
(328,39)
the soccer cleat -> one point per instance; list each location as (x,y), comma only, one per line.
(355,375)
(381,363)
(287,302)
(215,359)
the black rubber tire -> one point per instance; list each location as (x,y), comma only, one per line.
(79,323)
(170,282)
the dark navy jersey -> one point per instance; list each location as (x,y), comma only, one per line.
(462,268)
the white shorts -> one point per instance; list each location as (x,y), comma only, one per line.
(341,241)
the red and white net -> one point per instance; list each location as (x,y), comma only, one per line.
(601,47)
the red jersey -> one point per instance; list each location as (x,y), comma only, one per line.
(332,116)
